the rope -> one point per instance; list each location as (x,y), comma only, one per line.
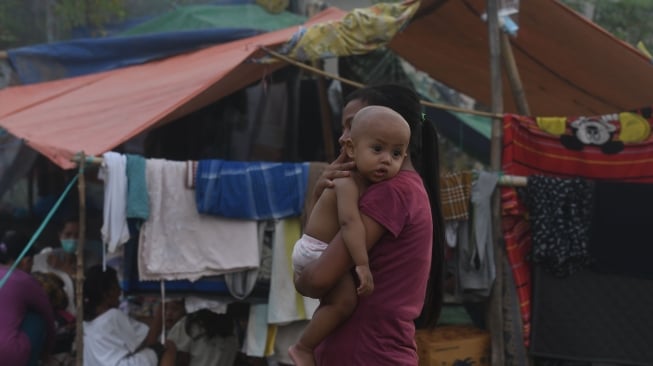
(359,85)
(38,231)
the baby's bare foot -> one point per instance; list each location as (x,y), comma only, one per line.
(301,356)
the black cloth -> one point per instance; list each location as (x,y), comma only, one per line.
(592,317)
(560,212)
(621,236)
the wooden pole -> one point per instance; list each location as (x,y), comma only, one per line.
(513,76)
(79,277)
(326,117)
(495,306)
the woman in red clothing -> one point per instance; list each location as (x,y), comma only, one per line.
(404,236)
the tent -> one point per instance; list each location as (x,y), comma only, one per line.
(185,29)
(96,112)
(446,39)
(568,65)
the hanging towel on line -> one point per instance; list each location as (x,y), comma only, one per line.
(114,220)
(178,243)
(251,190)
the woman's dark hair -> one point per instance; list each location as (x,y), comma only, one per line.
(425,156)
(12,244)
(97,283)
(209,324)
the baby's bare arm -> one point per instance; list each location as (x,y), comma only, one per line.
(353,232)
(349,218)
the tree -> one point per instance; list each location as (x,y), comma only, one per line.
(629,20)
(24,22)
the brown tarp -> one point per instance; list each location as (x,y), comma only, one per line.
(568,65)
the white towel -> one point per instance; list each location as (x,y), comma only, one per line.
(256,335)
(114,216)
(195,303)
(178,243)
(285,304)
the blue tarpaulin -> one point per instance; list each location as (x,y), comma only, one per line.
(53,61)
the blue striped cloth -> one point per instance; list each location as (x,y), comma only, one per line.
(250,190)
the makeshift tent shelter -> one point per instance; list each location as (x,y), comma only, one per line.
(447,39)
(568,65)
(84,114)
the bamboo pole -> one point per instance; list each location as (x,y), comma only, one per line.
(495,306)
(79,277)
(326,117)
(513,76)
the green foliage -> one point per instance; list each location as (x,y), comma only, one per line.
(17,26)
(87,13)
(629,20)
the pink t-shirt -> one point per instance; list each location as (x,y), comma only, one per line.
(20,294)
(381,329)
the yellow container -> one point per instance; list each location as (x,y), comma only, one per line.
(453,345)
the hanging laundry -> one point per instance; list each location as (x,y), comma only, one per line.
(138,203)
(560,211)
(622,149)
(455,190)
(476,266)
(620,236)
(114,217)
(285,304)
(251,190)
(176,242)
(563,147)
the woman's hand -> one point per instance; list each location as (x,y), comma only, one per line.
(339,168)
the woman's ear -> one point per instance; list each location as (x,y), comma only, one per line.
(349,149)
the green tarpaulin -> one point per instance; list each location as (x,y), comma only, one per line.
(197,17)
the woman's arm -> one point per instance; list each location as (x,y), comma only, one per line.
(320,276)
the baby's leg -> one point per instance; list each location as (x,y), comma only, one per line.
(334,309)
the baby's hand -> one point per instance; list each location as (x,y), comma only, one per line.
(366,282)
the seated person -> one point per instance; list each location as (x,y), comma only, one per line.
(26,316)
(63,320)
(174,310)
(205,338)
(111,338)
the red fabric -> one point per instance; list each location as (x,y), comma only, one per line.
(381,329)
(528,150)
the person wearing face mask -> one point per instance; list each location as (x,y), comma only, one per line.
(61,260)
(68,235)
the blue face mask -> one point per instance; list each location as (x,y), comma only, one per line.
(69,245)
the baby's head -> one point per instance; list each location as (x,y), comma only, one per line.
(378,143)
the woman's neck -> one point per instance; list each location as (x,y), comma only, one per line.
(408,165)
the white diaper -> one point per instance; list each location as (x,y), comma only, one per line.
(306,250)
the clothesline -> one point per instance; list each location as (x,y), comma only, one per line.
(359,85)
(504,180)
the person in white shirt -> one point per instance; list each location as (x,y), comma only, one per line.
(112,338)
(204,338)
